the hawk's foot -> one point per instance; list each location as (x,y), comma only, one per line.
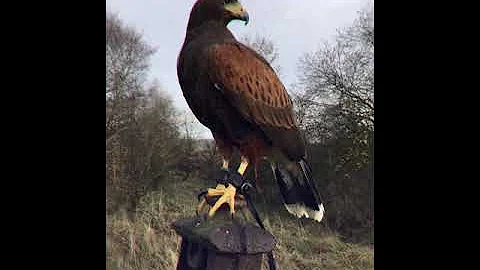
(219,196)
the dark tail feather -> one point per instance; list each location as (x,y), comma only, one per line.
(299,193)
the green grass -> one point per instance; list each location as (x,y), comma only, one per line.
(149,242)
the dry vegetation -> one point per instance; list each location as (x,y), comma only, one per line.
(148,242)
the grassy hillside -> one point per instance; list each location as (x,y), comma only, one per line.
(150,243)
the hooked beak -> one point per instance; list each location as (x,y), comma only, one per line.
(238,12)
(244,17)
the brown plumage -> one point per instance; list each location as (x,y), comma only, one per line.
(249,80)
(234,92)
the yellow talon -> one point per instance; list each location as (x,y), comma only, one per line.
(227,196)
(219,190)
(210,193)
(201,205)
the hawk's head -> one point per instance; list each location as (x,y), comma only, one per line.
(218,10)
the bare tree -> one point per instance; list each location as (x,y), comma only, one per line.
(127,57)
(341,74)
(336,111)
(143,141)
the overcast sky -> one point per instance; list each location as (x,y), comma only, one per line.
(295,27)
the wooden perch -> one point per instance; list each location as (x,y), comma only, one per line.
(221,242)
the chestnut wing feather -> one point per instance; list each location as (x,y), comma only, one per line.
(251,86)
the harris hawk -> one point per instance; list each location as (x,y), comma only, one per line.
(234,92)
